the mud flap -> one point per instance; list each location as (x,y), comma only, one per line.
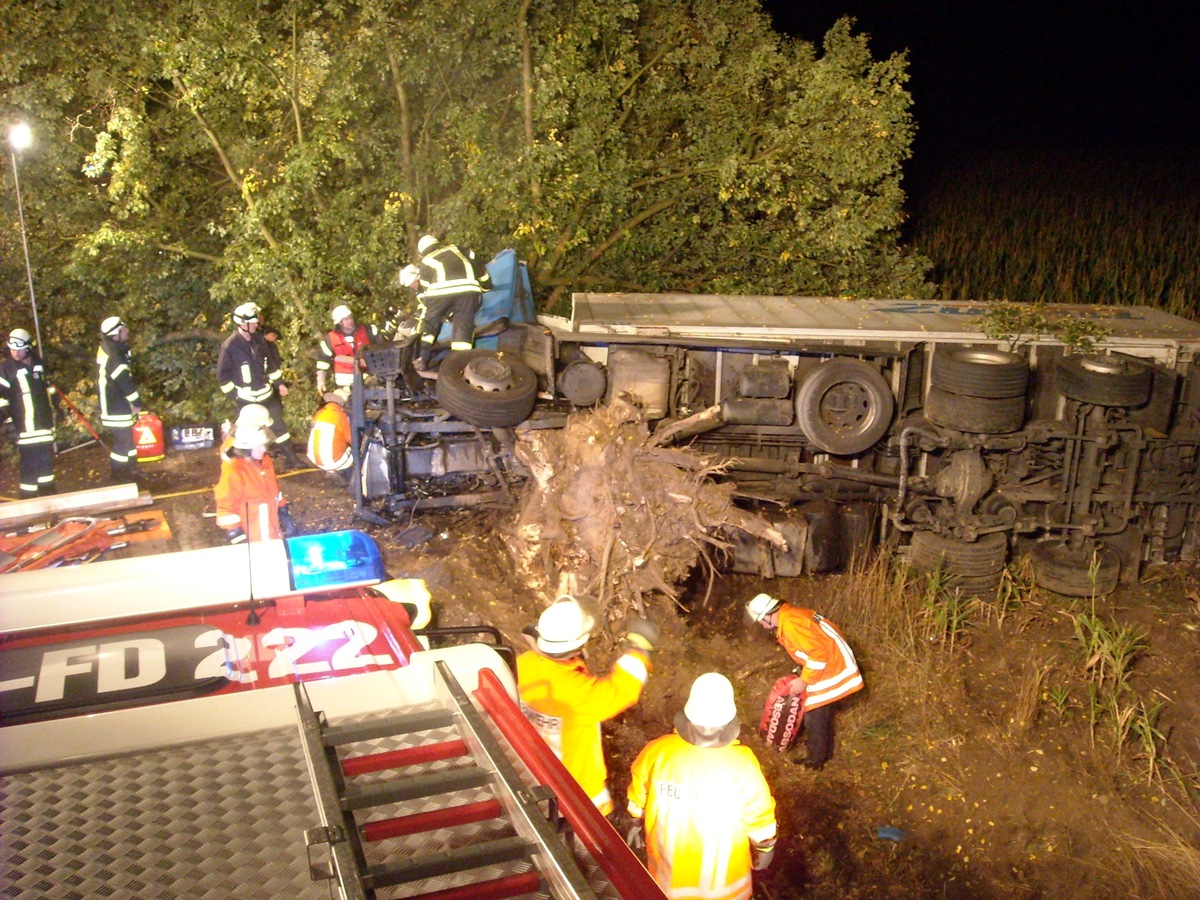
(782,714)
(376,470)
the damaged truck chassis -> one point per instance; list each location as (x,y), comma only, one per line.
(876,419)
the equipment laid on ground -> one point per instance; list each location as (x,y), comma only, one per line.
(148,437)
(270,705)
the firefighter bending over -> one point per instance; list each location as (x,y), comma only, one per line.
(828,670)
(704,808)
(250,505)
(566,703)
(329,440)
(450,284)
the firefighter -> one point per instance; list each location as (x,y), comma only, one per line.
(329,440)
(451,285)
(249,371)
(27,413)
(120,402)
(338,349)
(566,703)
(827,669)
(703,808)
(250,505)
(252,415)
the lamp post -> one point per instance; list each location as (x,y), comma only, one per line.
(21,138)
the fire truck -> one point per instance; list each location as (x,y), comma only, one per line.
(263,721)
(861,419)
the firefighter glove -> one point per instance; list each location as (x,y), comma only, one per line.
(761,857)
(236,536)
(636,837)
(643,634)
(10,431)
(286,525)
(796,686)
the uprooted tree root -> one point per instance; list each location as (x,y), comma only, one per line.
(617,516)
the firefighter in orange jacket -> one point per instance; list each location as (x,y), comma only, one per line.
(329,440)
(706,810)
(828,670)
(566,703)
(250,505)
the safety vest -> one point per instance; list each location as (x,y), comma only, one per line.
(566,704)
(339,344)
(830,670)
(329,440)
(447,270)
(25,398)
(248,497)
(246,369)
(114,385)
(702,806)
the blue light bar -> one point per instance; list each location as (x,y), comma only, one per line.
(336,559)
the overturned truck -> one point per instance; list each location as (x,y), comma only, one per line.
(878,418)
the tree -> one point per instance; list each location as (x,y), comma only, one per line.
(199,155)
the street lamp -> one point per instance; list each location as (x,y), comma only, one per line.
(21,138)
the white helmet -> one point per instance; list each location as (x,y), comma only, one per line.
(249,437)
(19,339)
(563,626)
(409,274)
(339,313)
(425,243)
(254,415)
(762,606)
(245,313)
(111,326)
(710,703)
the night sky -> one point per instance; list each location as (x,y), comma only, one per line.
(986,75)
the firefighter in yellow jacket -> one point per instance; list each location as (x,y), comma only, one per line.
(828,670)
(566,703)
(329,440)
(707,812)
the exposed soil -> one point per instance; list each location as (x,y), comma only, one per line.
(979,754)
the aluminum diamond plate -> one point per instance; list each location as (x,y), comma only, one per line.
(214,819)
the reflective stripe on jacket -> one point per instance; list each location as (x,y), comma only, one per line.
(248,497)
(114,385)
(703,806)
(448,270)
(246,368)
(566,704)
(830,670)
(337,345)
(329,440)
(25,398)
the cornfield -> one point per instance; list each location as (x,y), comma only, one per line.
(1061,228)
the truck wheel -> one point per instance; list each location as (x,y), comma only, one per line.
(976,415)
(1104,380)
(1067,571)
(979,372)
(486,388)
(986,556)
(844,406)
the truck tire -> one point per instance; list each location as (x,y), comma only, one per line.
(844,406)
(1104,380)
(486,388)
(1067,571)
(984,557)
(979,372)
(976,415)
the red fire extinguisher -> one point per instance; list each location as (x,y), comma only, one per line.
(148,437)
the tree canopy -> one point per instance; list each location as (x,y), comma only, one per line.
(191,156)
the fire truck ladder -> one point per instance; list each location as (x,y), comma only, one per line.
(441,792)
